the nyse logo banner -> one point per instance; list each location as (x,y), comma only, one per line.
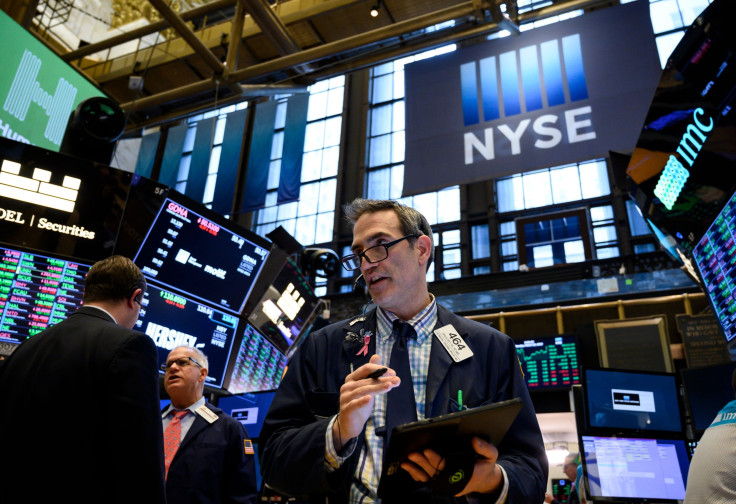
(554,95)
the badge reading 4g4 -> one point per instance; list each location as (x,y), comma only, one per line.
(453,343)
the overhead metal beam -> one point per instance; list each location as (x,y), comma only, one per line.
(271,26)
(189,36)
(202,10)
(315,53)
(368,38)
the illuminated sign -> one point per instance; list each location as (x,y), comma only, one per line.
(40,90)
(558,94)
(674,175)
(38,189)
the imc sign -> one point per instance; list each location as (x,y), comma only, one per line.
(564,93)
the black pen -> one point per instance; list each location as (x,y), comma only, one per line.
(377,373)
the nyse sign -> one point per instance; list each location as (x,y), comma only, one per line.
(554,95)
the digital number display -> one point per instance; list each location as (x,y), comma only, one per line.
(549,362)
(258,365)
(715,256)
(172,320)
(36,292)
(189,252)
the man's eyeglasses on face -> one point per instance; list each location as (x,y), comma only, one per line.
(373,255)
(183,362)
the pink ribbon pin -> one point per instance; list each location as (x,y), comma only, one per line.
(364,349)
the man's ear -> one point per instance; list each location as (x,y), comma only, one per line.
(136,297)
(203,372)
(424,245)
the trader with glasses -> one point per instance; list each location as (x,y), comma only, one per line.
(333,413)
(207,454)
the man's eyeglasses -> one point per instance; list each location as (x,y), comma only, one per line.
(183,362)
(373,255)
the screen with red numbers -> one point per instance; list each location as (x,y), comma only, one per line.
(36,291)
(550,362)
(202,254)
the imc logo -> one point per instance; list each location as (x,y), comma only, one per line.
(528,79)
(26,89)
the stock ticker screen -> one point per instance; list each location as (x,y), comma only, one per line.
(549,362)
(188,252)
(36,291)
(172,320)
(715,257)
(258,365)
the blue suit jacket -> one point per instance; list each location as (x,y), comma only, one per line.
(292,439)
(211,466)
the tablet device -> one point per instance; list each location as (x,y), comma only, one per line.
(444,434)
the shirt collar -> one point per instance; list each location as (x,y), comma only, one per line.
(170,409)
(103,310)
(423,322)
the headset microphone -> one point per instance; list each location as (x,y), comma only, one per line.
(359,281)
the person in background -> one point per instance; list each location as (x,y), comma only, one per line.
(711,477)
(570,468)
(329,420)
(79,402)
(208,456)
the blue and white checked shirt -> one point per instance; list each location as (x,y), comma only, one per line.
(368,472)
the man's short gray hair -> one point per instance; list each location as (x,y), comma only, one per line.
(412,222)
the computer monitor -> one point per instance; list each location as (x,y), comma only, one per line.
(549,362)
(257,365)
(628,469)
(36,292)
(714,258)
(286,310)
(628,401)
(191,249)
(248,409)
(561,488)
(171,319)
(707,390)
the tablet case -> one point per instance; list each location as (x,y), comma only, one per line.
(444,434)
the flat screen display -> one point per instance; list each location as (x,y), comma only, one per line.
(628,400)
(707,390)
(248,409)
(715,258)
(38,91)
(204,256)
(36,292)
(172,320)
(59,204)
(635,469)
(258,365)
(561,489)
(683,165)
(550,362)
(145,199)
(286,310)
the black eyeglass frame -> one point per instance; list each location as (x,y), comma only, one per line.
(166,366)
(344,260)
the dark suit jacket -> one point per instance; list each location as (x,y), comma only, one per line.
(211,466)
(292,440)
(80,416)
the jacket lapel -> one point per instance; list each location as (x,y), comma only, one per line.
(439,364)
(353,342)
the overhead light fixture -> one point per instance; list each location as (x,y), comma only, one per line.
(375,8)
